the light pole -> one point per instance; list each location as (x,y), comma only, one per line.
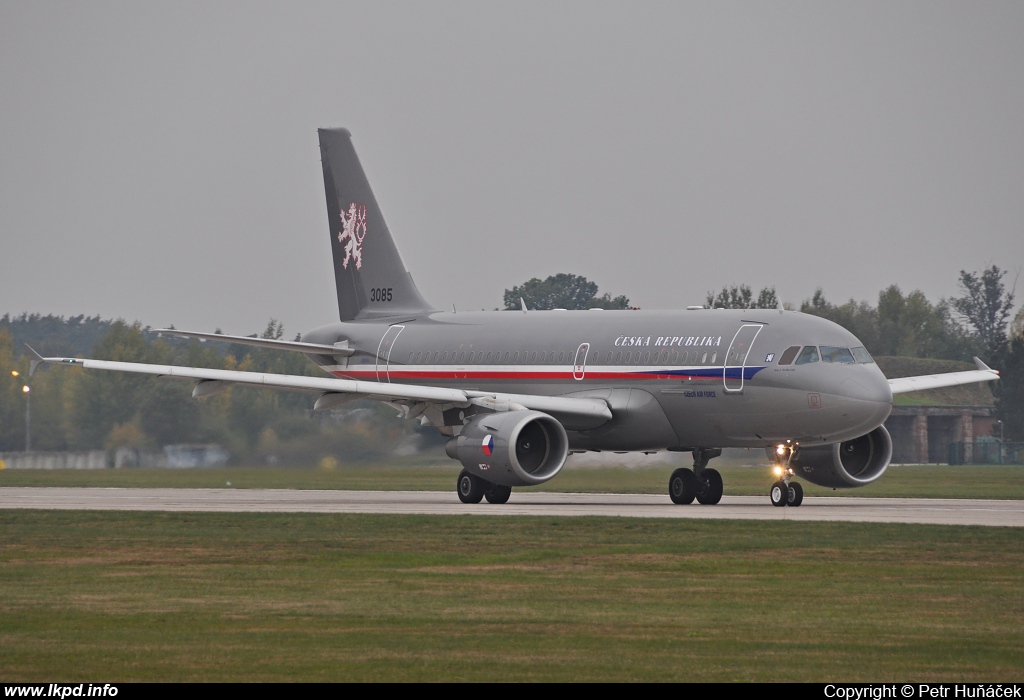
(1000,440)
(27,391)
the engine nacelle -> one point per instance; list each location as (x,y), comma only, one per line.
(514,448)
(845,465)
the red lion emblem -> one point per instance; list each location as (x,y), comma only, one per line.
(352,233)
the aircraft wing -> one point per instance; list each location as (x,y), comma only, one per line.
(589,408)
(984,373)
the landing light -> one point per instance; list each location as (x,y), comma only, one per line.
(778,471)
(25,389)
(780,450)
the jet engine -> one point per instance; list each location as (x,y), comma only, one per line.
(513,448)
(845,465)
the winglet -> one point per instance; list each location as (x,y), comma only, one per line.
(37,360)
(523,302)
(983,367)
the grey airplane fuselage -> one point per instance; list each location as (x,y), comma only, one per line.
(672,379)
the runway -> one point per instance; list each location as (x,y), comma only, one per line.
(853,509)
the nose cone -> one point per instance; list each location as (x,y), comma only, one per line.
(873,387)
(866,398)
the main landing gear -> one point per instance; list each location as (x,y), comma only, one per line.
(700,483)
(473,489)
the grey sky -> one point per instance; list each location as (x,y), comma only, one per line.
(159,161)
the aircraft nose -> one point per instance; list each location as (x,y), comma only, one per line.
(874,389)
(868,398)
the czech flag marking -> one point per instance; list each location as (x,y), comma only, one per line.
(488,445)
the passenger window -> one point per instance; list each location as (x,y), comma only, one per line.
(561,356)
(647,356)
(435,357)
(807,355)
(506,358)
(462,357)
(543,357)
(834,354)
(713,356)
(862,356)
(444,358)
(704,358)
(788,356)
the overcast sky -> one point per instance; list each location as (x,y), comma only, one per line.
(159,161)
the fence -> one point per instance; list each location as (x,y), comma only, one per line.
(985,452)
(123,457)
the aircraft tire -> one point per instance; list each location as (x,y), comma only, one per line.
(779,494)
(682,486)
(795,495)
(496,493)
(710,493)
(470,487)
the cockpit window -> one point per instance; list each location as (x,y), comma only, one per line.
(787,357)
(833,354)
(808,355)
(862,356)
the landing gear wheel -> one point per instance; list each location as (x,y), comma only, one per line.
(779,494)
(496,493)
(682,487)
(470,488)
(710,492)
(796,495)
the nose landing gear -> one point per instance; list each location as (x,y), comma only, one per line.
(783,493)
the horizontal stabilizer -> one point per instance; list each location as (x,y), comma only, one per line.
(293,345)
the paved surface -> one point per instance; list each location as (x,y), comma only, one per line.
(887,510)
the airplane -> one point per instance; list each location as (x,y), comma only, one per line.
(517,392)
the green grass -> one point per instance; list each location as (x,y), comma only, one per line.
(256,597)
(927,481)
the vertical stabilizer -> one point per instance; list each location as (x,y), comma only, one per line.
(371,278)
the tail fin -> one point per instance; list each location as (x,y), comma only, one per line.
(371,278)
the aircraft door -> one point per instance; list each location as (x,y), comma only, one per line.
(384,352)
(579,367)
(736,357)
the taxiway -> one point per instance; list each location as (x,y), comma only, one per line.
(852,509)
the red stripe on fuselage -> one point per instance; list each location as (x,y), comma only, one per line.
(422,375)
